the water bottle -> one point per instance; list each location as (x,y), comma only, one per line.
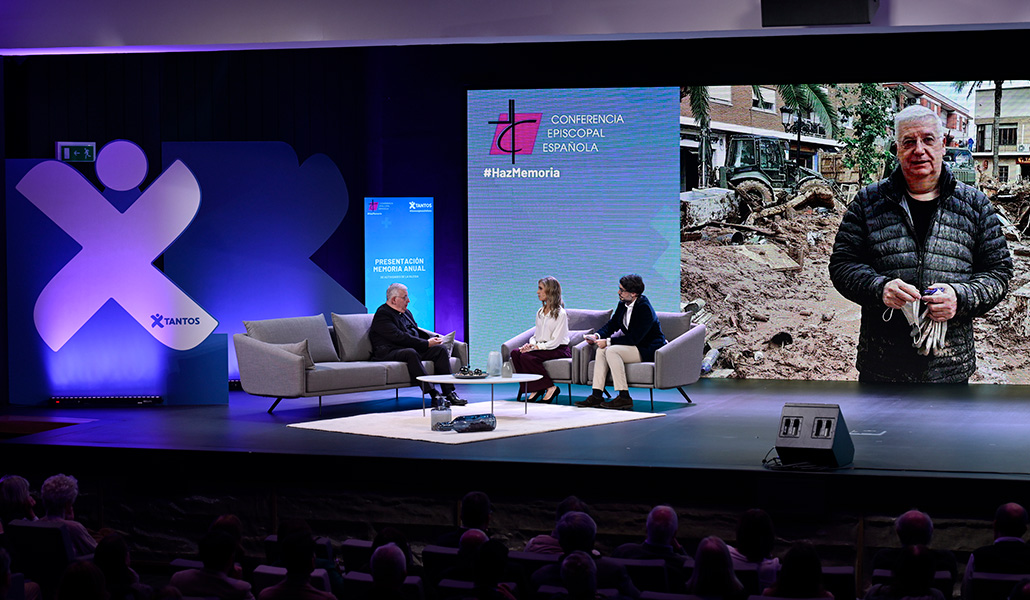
(493,364)
(469,424)
(439,415)
(709,360)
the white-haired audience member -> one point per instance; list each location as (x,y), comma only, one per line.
(59,493)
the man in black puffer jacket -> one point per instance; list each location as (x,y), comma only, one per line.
(919,230)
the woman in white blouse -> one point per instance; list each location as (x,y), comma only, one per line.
(549,341)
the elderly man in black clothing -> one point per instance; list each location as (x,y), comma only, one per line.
(662,525)
(1008,554)
(395,336)
(920,238)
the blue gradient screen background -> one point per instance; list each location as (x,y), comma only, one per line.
(604,204)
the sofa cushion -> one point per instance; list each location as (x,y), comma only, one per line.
(587,320)
(300,349)
(674,324)
(294,329)
(340,377)
(352,336)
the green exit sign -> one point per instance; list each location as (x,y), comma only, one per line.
(76,151)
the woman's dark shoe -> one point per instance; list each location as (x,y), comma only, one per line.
(548,396)
(533,397)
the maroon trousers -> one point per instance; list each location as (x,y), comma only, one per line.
(533,362)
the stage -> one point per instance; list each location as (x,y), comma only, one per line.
(954,451)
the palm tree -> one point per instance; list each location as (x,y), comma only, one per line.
(697,97)
(804,98)
(973,85)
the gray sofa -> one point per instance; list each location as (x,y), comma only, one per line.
(303,357)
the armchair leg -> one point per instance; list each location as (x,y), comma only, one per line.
(320,406)
(685,395)
(570,393)
(274,404)
(651,391)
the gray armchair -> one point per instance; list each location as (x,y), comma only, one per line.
(564,370)
(676,364)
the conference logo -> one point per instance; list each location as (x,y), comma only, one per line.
(373,206)
(118,249)
(515,132)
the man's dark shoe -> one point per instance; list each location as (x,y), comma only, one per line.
(453,398)
(620,402)
(592,401)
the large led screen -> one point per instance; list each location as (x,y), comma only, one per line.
(577,184)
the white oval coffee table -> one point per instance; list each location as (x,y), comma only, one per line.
(451,379)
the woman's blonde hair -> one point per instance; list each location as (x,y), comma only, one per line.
(552,296)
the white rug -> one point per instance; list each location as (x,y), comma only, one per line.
(511,421)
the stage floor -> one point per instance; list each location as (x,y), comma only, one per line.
(973,431)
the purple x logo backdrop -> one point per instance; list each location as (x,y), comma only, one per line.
(233,226)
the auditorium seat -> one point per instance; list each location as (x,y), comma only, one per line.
(323,549)
(40,550)
(840,581)
(357,585)
(266,576)
(647,574)
(993,586)
(355,553)
(942,581)
(436,560)
(531,561)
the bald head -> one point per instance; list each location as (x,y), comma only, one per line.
(914,528)
(1010,520)
(662,525)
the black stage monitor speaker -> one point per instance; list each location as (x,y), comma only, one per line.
(814,434)
(787,13)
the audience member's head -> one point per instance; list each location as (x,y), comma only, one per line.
(579,575)
(713,570)
(569,504)
(296,548)
(82,580)
(801,573)
(389,567)
(914,528)
(475,511)
(470,543)
(662,525)
(217,551)
(59,493)
(230,524)
(392,535)
(913,572)
(576,531)
(112,557)
(490,564)
(1010,521)
(755,535)
(15,500)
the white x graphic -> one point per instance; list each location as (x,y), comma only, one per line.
(118,250)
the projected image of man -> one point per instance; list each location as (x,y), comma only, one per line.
(395,336)
(924,255)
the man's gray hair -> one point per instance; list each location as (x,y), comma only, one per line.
(917,113)
(395,289)
(59,492)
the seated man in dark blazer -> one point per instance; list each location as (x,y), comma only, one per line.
(395,336)
(576,531)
